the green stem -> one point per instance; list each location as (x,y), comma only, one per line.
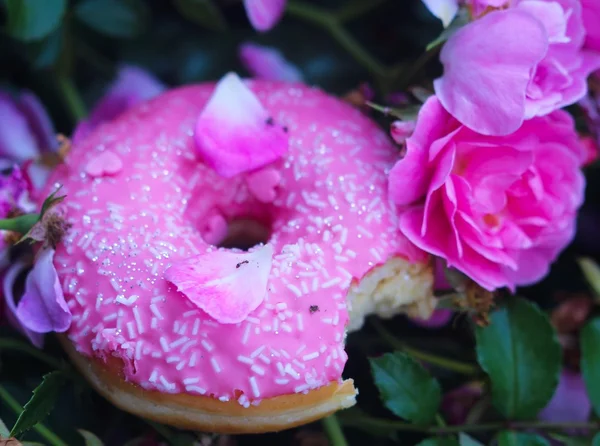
(50,436)
(20,224)
(440,361)
(357,8)
(12,344)
(440,420)
(332,22)
(72,99)
(443,430)
(334,431)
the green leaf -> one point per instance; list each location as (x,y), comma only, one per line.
(508,438)
(596,440)
(4,432)
(203,13)
(115,18)
(439,441)
(567,440)
(461,19)
(406,388)
(591,271)
(90,439)
(520,352)
(466,440)
(590,361)
(41,403)
(29,20)
(44,54)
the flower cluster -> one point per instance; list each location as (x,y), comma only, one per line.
(491,180)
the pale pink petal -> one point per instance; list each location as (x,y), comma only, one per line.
(42,308)
(263,184)
(235,133)
(267,63)
(264,14)
(551,15)
(487,70)
(445,10)
(227,285)
(591,19)
(401,130)
(104,163)
(570,401)
(214,229)
(8,284)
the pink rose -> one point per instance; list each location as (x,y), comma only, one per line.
(591,21)
(499,209)
(492,81)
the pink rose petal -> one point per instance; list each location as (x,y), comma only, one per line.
(487,68)
(42,308)
(8,283)
(401,130)
(263,183)
(264,14)
(105,163)
(215,229)
(234,133)
(227,285)
(267,63)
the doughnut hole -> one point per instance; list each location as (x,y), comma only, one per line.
(244,233)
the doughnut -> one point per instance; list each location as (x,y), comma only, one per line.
(215,295)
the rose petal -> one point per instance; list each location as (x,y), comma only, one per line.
(235,133)
(264,14)
(42,308)
(401,130)
(39,121)
(8,283)
(570,401)
(438,318)
(17,140)
(445,10)
(227,285)
(487,69)
(267,63)
(263,183)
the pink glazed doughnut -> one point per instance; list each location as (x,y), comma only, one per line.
(142,201)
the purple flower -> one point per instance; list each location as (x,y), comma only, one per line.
(457,403)
(132,86)
(264,14)
(43,309)
(570,401)
(264,62)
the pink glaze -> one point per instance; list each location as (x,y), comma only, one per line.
(330,222)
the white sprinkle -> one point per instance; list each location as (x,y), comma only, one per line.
(284,353)
(183,329)
(115,284)
(246,334)
(299,364)
(291,371)
(167,384)
(254,386)
(310,356)
(245,359)
(350,253)
(206,345)
(281,381)
(258,370)
(363,231)
(196,327)
(171,359)
(215,365)
(257,352)
(153,376)
(300,322)
(164,344)
(138,350)
(179,342)
(376,254)
(131,329)
(224,398)
(190,313)
(138,320)
(304,287)
(200,390)
(187,345)
(126,301)
(159,298)
(294,289)
(253,320)
(280,368)
(334,352)
(153,323)
(328,361)
(192,361)
(286,327)
(156,311)
(281,306)
(327,320)
(181,365)
(331,283)
(264,359)
(301,388)
(156,354)
(188,381)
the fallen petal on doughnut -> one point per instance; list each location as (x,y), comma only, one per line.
(105,163)
(235,133)
(42,308)
(263,183)
(227,285)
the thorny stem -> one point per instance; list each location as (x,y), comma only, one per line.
(334,431)
(333,23)
(362,420)
(50,436)
(440,361)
